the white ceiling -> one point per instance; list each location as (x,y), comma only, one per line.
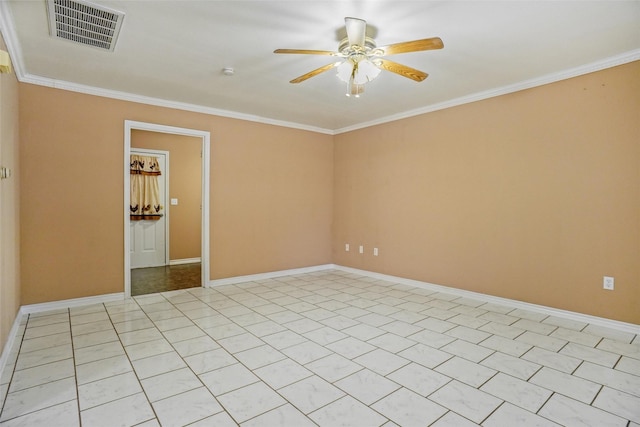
(172,52)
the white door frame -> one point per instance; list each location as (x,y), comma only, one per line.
(165,177)
(130,125)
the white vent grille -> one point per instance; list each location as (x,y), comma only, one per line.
(85,23)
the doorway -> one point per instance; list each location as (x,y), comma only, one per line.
(184,268)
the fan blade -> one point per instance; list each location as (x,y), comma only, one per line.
(402,70)
(314,72)
(356,31)
(413,46)
(306,51)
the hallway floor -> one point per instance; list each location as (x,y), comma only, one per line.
(166,278)
(329,348)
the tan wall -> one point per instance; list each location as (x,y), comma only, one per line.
(185,184)
(9,205)
(533,196)
(271,193)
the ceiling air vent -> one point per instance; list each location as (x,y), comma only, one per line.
(85,23)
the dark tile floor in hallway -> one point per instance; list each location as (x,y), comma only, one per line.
(165,278)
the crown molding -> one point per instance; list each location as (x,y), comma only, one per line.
(610,62)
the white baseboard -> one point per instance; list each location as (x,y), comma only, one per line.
(184,261)
(579,317)
(12,339)
(269,275)
(68,303)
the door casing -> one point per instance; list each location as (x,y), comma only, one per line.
(130,125)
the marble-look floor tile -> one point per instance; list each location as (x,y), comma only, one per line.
(513,366)
(64,414)
(170,384)
(629,365)
(451,419)
(350,347)
(98,352)
(333,367)
(102,368)
(590,354)
(45,342)
(250,401)
(617,402)
(128,411)
(367,386)
(511,415)
(284,339)
(229,378)
(36,398)
(467,401)
(306,352)
(557,361)
(310,393)
(521,393)
(465,371)
(466,350)
(569,412)
(391,342)
(282,373)
(419,379)
(259,356)
(108,389)
(609,377)
(283,416)
(41,374)
(185,408)
(44,356)
(381,361)
(324,335)
(196,345)
(348,412)
(506,345)
(158,364)
(425,355)
(407,408)
(569,385)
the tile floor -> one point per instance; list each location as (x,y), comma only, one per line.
(329,348)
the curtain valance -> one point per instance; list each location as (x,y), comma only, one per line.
(145,190)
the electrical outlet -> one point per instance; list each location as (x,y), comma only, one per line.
(346,247)
(375,251)
(607,283)
(361,249)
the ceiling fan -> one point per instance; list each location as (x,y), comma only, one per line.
(363,60)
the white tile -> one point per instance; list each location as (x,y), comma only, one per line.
(363,332)
(609,377)
(98,352)
(569,385)
(513,366)
(140,336)
(169,384)
(400,328)
(186,408)
(611,334)
(552,359)
(339,322)
(283,416)
(158,364)
(240,342)
(284,339)
(533,326)
(630,350)
(325,335)
(64,414)
(310,393)
(102,368)
(47,341)
(350,347)
(282,373)
(407,408)
(265,328)
(224,331)
(543,341)
(221,419)
(130,325)
(451,419)
(619,403)
(195,345)
(419,379)
(629,365)
(425,355)
(146,349)
(468,334)
(569,412)
(333,367)
(506,345)
(466,350)
(181,334)
(250,401)
(576,337)
(107,390)
(521,393)
(44,356)
(505,331)
(565,323)
(466,371)
(391,342)
(229,378)
(39,397)
(259,356)
(208,361)
(347,412)
(432,339)
(42,374)
(590,354)
(381,361)
(367,386)
(510,415)
(466,401)
(94,338)
(306,352)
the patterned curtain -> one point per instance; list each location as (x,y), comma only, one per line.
(145,191)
